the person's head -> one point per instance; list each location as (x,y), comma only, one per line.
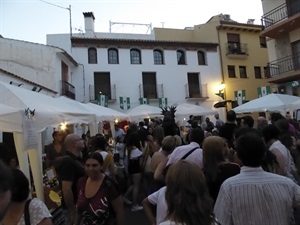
(93,165)
(203,125)
(276,116)
(133,139)
(207,119)
(58,136)
(99,143)
(191,117)
(214,150)
(74,143)
(20,188)
(187,197)
(261,122)
(141,124)
(282,125)
(196,135)
(231,116)
(168,144)
(178,141)
(116,127)
(5,188)
(251,149)
(247,121)
(217,116)
(270,132)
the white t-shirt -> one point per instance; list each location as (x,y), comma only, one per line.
(158,198)
(38,211)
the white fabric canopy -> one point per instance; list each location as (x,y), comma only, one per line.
(186,109)
(144,111)
(271,102)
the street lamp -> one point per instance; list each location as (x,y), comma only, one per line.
(221,92)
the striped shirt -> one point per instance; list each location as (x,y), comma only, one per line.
(256,197)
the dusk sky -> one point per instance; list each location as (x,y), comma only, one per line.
(31,20)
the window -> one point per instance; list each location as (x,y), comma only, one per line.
(263,42)
(201,58)
(92,56)
(135,56)
(257,72)
(113,56)
(102,84)
(193,85)
(231,71)
(267,72)
(149,85)
(180,57)
(234,45)
(243,72)
(158,57)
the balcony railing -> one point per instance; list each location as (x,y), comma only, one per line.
(196,91)
(67,89)
(283,65)
(111,93)
(236,48)
(280,13)
(151,91)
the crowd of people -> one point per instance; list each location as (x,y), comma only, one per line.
(236,172)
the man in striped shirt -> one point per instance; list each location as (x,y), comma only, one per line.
(254,196)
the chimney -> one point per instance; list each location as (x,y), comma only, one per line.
(250,21)
(226,17)
(89,19)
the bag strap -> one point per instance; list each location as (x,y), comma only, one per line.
(26,212)
(188,153)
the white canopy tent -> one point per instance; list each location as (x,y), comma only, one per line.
(271,102)
(144,111)
(47,112)
(186,109)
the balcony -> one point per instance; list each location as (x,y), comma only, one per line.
(151,91)
(284,69)
(281,20)
(196,91)
(111,93)
(67,89)
(236,50)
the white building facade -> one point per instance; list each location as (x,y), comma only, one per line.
(37,67)
(136,67)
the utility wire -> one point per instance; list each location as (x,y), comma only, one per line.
(54,4)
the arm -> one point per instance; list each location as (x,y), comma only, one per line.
(68,198)
(46,221)
(118,207)
(148,211)
(158,174)
(279,169)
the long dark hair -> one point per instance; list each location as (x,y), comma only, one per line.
(187,196)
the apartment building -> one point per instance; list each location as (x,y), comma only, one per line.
(242,51)
(281,21)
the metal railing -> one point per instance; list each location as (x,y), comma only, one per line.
(280,13)
(236,48)
(196,91)
(67,89)
(283,65)
(94,93)
(151,91)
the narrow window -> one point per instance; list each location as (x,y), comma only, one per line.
(135,56)
(193,85)
(102,84)
(113,56)
(92,56)
(201,58)
(257,72)
(243,72)
(158,57)
(149,85)
(263,42)
(180,57)
(231,71)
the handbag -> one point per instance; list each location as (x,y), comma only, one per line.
(26,212)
